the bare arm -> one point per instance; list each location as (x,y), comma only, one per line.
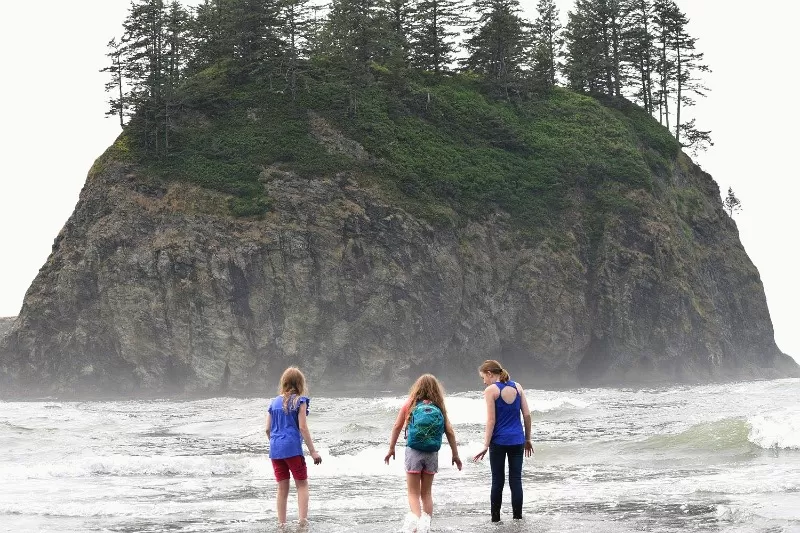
(451,439)
(490,397)
(303,426)
(399,422)
(526,418)
(269,424)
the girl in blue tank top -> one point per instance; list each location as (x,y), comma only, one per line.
(506,412)
(286,430)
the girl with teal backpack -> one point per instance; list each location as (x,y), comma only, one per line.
(425,419)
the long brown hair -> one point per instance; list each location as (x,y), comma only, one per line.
(292,382)
(490,366)
(427,387)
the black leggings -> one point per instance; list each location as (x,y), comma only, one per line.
(497,460)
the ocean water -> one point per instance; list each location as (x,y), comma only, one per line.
(704,458)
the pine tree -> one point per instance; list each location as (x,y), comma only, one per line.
(296,28)
(688,62)
(612,17)
(435,24)
(731,203)
(695,139)
(665,14)
(316,23)
(117,103)
(352,38)
(585,56)
(143,40)
(547,43)
(176,54)
(211,34)
(255,29)
(400,17)
(177,49)
(677,67)
(499,43)
(152,58)
(640,51)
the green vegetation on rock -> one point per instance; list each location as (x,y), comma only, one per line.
(439,145)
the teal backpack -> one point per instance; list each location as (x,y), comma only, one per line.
(426,427)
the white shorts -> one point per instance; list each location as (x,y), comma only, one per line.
(417,461)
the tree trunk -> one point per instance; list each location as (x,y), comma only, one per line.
(615,52)
(679,88)
(607,60)
(119,85)
(436,52)
(664,84)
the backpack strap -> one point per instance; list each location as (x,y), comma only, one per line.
(409,408)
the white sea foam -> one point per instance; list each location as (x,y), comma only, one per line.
(462,409)
(391,405)
(424,523)
(364,463)
(561,403)
(729,513)
(410,523)
(779,430)
(466,410)
(127,465)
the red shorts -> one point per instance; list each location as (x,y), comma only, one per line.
(296,464)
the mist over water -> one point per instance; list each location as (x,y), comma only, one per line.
(706,458)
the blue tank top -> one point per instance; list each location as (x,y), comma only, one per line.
(508,429)
(285,439)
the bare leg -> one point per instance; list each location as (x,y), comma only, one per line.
(283,496)
(413,482)
(426,484)
(302,500)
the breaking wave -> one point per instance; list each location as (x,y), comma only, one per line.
(769,431)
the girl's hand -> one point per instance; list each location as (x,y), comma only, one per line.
(480,455)
(528,448)
(457,461)
(389,455)
(316,457)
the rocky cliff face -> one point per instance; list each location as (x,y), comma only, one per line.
(5,325)
(155,288)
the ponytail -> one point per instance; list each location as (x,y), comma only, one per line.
(490,366)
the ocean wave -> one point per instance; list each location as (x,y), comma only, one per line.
(347,460)
(354,428)
(718,435)
(15,427)
(120,505)
(557,405)
(768,431)
(126,466)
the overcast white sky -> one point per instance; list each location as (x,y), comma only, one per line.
(53,127)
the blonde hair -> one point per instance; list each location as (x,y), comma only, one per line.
(427,387)
(490,366)
(292,382)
